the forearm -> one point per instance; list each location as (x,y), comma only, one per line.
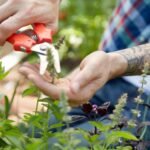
(130,61)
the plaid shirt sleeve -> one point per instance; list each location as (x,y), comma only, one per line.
(128,26)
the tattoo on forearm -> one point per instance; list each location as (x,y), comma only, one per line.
(136,57)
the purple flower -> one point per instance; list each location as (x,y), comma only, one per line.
(94,108)
(87,108)
(100,110)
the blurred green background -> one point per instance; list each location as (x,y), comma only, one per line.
(82,22)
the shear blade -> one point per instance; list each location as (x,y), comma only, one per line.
(55,55)
(43,64)
(43,58)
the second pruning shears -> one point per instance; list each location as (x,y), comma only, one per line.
(38,40)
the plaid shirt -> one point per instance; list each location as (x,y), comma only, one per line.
(129,26)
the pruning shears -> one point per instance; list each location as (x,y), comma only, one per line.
(38,40)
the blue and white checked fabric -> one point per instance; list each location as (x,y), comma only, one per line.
(129,26)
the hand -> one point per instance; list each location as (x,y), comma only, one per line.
(18,13)
(59,86)
(94,71)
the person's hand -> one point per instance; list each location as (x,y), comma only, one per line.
(94,71)
(59,86)
(15,14)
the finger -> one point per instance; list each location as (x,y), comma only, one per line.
(35,68)
(84,76)
(27,71)
(47,88)
(10,26)
(53,26)
(6,11)
(86,92)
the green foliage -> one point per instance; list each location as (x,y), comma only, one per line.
(100,126)
(5,111)
(124,148)
(117,112)
(123,134)
(83,23)
(7,107)
(32,90)
(3,74)
(23,136)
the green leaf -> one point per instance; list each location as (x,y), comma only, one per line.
(94,138)
(124,148)
(47,100)
(8,103)
(15,141)
(2,143)
(3,74)
(124,134)
(58,125)
(81,148)
(30,91)
(7,107)
(100,126)
(32,119)
(36,144)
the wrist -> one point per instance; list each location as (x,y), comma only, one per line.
(118,65)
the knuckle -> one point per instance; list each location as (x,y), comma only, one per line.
(2,40)
(84,81)
(6,29)
(32,7)
(14,1)
(53,26)
(28,8)
(30,13)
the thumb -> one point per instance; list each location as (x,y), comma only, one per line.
(84,77)
(53,26)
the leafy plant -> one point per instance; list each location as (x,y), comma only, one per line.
(37,132)
(3,74)
(109,131)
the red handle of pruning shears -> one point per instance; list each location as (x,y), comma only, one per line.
(22,41)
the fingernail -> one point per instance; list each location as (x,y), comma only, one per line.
(75,87)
